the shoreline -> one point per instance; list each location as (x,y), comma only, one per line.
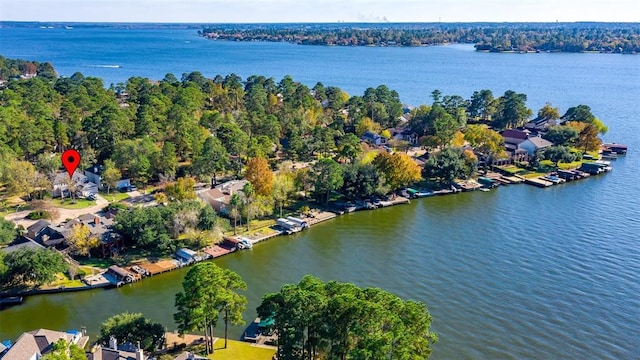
(321,214)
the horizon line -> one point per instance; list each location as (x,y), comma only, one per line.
(320,22)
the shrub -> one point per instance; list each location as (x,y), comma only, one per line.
(39,214)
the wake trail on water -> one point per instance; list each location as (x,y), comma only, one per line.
(105,66)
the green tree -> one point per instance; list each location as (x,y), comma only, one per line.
(8,231)
(111,175)
(33,267)
(561,135)
(328,177)
(282,189)
(21,178)
(359,180)
(207,219)
(350,147)
(212,160)
(62,350)
(558,153)
(132,328)
(234,210)
(511,110)
(447,165)
(166,162)
(209,291)
(342,321)
(249,198)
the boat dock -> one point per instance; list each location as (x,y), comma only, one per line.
(538,181)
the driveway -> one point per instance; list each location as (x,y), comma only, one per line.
(20,217)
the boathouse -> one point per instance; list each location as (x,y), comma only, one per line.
(120,275)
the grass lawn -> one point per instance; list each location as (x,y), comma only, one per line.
(512,169)
(63,280)
(532,175)
(240,350)
(114,196)
(563,166)
(73,204)
(258,227)
(102,263)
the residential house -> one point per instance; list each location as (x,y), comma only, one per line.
(45,234)
(533,144)
(100,227)
(220,196)
(372,138)
(112,352)
(22,242)
(94,175)
(404,134)
(541,124)
(61,183)
(32,345)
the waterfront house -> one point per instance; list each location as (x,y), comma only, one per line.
(514,136)
(45,234)
(112,352)
(533,144)
(541,124)
(32,345)
(220,196)
(20,243)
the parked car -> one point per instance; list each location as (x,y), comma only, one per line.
(92,197)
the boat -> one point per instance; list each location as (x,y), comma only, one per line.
(12,300)
(484,189)
(244,243)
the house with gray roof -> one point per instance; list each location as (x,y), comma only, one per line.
(32,345)
(533,144)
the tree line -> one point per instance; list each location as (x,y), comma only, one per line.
(566,37)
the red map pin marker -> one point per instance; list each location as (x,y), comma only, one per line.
(71,160)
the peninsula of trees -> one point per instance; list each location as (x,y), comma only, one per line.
(495,37)
(174,132)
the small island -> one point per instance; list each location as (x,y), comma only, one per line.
(494,37)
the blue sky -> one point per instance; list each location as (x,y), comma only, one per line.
(211,11)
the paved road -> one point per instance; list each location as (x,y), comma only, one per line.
(20,216)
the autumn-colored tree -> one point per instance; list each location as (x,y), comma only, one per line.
(588,138)
(399,169)
(259,174)
(458,139)
(484,140)
(548,112)
(366,124)
(81,241)
(182,189)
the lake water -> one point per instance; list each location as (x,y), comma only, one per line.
(516,273)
